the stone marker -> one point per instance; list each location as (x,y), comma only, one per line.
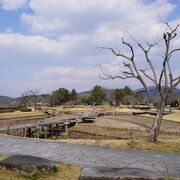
(27,164)
(125,173)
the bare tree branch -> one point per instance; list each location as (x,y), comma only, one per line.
(174,50)
(175,79)
(177,83)
(117,53)
(131,48)
(130,68)
(145,74)
(108,76)
(146,52)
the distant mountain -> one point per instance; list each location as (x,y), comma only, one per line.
(154,91)
(9,101)
(5,100)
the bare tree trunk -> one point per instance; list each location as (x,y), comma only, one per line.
(154,131)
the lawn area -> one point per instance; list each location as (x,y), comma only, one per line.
(18,114)
(64,172)
(175,116)
(82,108)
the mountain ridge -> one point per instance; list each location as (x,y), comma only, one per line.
(153,91)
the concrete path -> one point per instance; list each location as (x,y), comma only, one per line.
(160,164)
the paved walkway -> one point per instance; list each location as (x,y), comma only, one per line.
(159,163)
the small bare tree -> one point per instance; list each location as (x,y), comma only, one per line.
(165,82)
(24,98)
(33,93)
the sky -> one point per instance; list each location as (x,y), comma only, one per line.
(48,44)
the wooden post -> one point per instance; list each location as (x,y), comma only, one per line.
(38,132)
(45,132)
(42,128)
(76,120)
(29,132)
(94,114)
(66,126)
(25,131)
(8,130)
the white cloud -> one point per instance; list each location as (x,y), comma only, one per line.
(12,4)
(20,43)
(67,73)
(39,24)
(56,16)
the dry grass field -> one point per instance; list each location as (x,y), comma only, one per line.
(125,126)
(14,118)
(18,114)
(174,116)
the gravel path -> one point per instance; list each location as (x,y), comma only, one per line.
(160,164)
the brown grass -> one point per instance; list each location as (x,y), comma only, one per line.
(93,131)
(18,114)
(121,127)
(175,116)
(142,121)
(161,145)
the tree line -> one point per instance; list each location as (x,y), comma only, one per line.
(97,96)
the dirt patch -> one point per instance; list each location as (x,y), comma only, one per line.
(123,127)
(92,131)
(116,123)
(141,121)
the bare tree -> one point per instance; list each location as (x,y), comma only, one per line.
(165,81)
(25,98)
(33,93)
